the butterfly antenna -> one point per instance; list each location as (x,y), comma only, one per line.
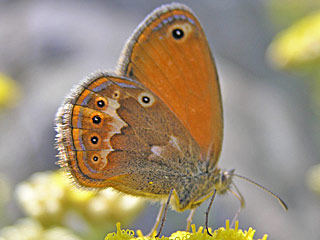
(284,205)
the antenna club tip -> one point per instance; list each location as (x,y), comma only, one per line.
(284,205)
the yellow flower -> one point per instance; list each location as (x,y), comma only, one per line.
(9,92)
(297,46)
(42,198)
(313,178)
(219,234)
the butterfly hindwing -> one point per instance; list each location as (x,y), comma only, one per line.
(117,133)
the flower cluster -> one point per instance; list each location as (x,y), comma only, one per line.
(219,234)
(57,210)
(49,201)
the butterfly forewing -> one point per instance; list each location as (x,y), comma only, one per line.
(170,55)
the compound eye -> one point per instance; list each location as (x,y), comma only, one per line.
(223,178)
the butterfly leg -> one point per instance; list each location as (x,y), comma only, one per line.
(238,195)
(235,218)
(208,210)
(164,213)
(189,219)
(156,224)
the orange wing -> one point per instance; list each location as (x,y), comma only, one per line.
(170,55)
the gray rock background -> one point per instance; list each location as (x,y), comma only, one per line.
(48,46)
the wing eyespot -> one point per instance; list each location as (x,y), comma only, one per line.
(98,160)
(101,103)
(180,31)
(116,94)
(95,158)
(146,99)
(96,119)
(94,140)
(177,33)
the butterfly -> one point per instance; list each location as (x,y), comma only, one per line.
(154,127)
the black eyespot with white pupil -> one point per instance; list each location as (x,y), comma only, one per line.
(95,158)
(145,99)
(96,119)
(94,140)
(101,103)
(177,33)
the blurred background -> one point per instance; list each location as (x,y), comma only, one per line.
(267,55)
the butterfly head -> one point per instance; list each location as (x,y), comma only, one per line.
(222,180)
